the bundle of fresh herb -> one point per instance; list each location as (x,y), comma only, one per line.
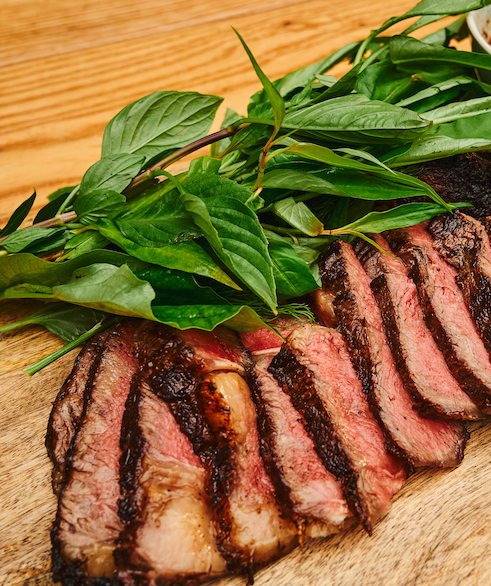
(235,238)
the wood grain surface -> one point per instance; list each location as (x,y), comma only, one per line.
(65,68)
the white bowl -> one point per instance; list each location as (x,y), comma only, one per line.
(479,23)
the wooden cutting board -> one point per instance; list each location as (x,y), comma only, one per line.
(65,69)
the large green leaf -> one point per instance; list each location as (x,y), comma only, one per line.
(114,172)
(358,114)
(401,216)
(27,268)
(208,317)
(188,257)
(101,286)
(408,49)
(233,231)
(158,123)
(93,206)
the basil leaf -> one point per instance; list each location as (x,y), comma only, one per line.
(27,268)
(408,49)
(459,110)
(233,231)
(401,216)
(30,236)
(298,215)
(444,7)
(461,136)
(98,204)
(19,215)
(207,185)
(159,123)
(435,90)
(358,114)
(291,272)
(62,319)
(188,257)
(274,97)
(84,242)
(208,317)
(111,173)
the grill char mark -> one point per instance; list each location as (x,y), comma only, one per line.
(70,565)
(296,380)
(418,440)
(434,389)
(417,265)
(67,408)
(463,242)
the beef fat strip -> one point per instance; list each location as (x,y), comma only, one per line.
(446,313)
(168,535)
(87,522)
(67,408)
(463,242)
(315,369)
(421,441)
(419,360)
(304,487)
(215,412)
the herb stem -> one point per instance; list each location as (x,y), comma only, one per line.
(67,201)
(47,360)
(180,153)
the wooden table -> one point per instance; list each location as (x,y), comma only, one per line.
(65,69)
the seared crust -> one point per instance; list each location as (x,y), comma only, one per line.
(415,261)
(67,408)
(463,242)
(464,177)
(296,380)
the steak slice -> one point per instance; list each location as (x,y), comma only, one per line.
(418,358)
(242,488)
(446,313)
(315,369)
(215,412)
(420,441)
(463,242)
(168,536)
(464,177)
(67,408)
(87,522)
(306,490)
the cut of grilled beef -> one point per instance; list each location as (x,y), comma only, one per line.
(315,369)
(168,536)
(463,242)
(307,491)
(67,408)
(87,522)
(419,360)
(446,313)
(215,412)
(465,177)
(419,440)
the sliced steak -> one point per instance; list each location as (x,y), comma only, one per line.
(420,441)
(463,242)
(168,535)
(256,524)
(215,412)
(307,491)
(446,313)
(315,369)
(87,522)
(464,177)
(419,360)
(67,408)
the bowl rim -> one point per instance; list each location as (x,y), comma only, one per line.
(475,29)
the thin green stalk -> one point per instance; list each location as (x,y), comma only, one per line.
(67,201)
(47,360)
